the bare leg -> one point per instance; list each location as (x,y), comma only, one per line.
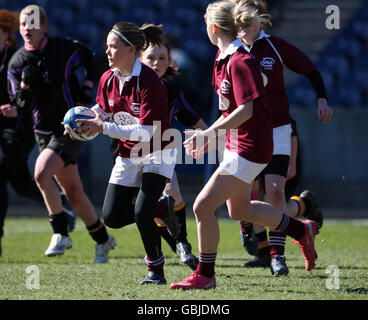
(236,193)
(49,164)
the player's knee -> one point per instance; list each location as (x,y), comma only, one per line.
(201,209)
(275,195)
(42,178)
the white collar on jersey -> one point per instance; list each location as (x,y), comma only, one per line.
(231,49)
(261,35)
(137,68)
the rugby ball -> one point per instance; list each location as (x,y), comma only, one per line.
(70,123)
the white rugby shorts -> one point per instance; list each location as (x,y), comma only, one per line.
(241,168)
(128,171)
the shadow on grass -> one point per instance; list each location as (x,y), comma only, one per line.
(248,257)
(245,275)
(357,290)
(323,267)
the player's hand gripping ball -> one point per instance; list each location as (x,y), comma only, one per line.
(70,123)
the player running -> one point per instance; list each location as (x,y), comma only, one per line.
(273,53)
(49,63)
(179,106)
(133,95)
(249,147)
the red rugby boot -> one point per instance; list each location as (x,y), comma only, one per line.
(306,243)
(195,281)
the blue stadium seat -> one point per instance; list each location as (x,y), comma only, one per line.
(350,96)
(89,33)
(56,30)
(352,47)
(144,15)
(361,29)
(334,98)
(197,5)
(328,78)
(361,13)
(360,75)
(365,99)
(296,97)
(199,50)
(186,16)
(105,17)
(174,30)
(338,62)
(310,98)
(78,6)
(62,16)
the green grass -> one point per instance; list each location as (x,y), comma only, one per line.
(74,276)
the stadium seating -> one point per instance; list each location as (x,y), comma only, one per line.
(344,66)
(89,20)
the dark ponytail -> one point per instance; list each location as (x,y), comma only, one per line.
(154,34)
(172,70)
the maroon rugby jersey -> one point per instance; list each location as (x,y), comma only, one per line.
(143,100)
(237,80)
(273,53)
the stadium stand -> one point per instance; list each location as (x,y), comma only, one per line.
(343,65)
(343,57)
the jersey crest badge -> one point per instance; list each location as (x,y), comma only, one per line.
(135,107)
(268,63)
(225,87)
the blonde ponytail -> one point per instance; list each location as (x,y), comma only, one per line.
(220,13)
(254,8)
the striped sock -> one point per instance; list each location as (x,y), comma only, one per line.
(155,265)
(179,206)
(291,227)
(277,243)
(301,205)
(98,232)
(206,264)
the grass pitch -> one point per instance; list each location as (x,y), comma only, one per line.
(341,271)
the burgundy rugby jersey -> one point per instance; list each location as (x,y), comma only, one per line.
(238,80)
(143,100)
(273,53)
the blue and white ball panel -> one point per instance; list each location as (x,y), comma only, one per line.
(70,123)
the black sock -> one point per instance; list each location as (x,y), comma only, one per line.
(59,223)
(181,215)
(98,232)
